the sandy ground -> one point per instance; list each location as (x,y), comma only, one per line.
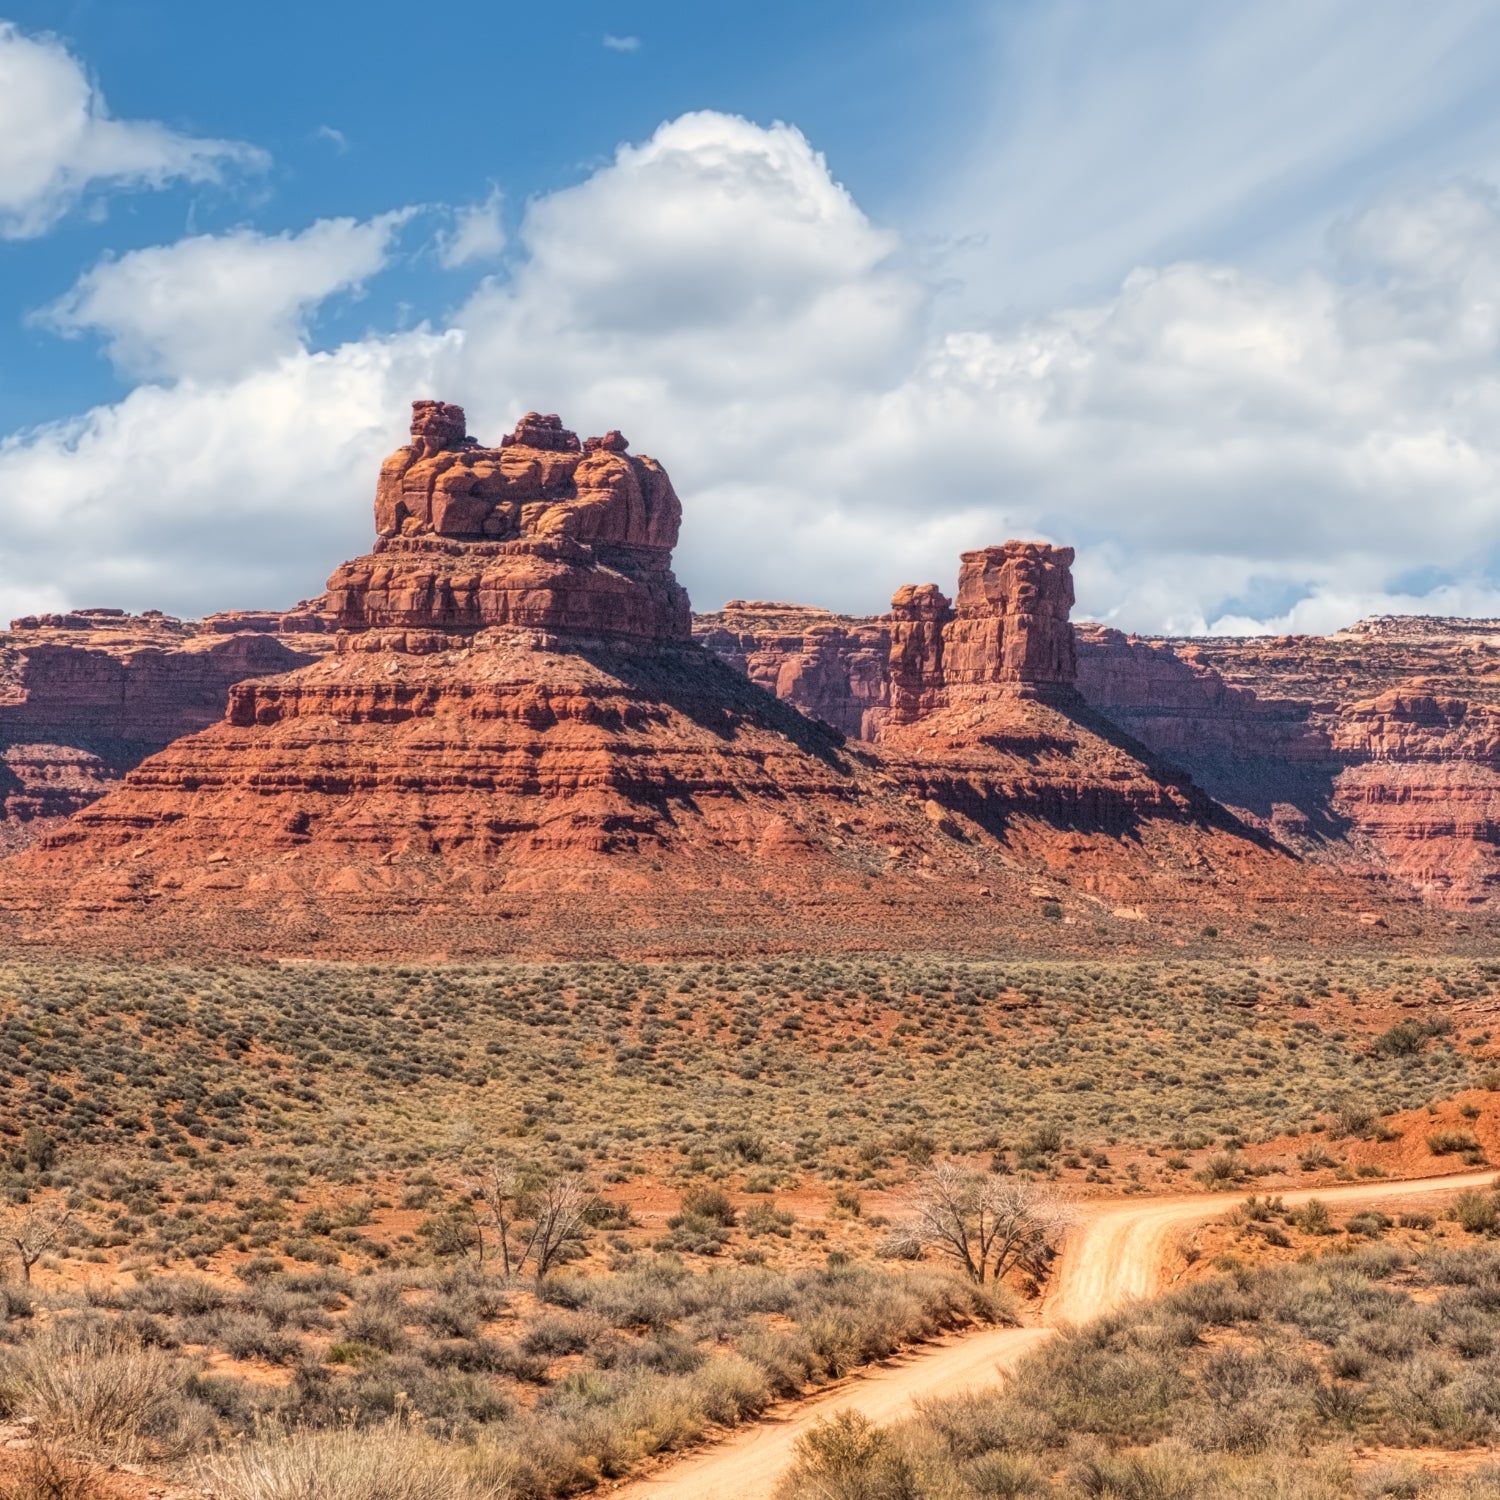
(1118,1252)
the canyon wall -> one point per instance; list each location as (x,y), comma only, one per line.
(87,695)
(509,738)
(1372,749)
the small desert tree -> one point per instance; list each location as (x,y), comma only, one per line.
(561,1208)
(534,1217)
(985,1224)
(31,1231)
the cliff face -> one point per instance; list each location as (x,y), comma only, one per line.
(1373,750)
(86,696)
(542,532)
(514,744)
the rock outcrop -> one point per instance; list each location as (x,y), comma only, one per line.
(87,695)
(1370,751)
(1010,634)
(830,666)
(515,745)
(542,532)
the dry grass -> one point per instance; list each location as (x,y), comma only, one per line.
(392,1462)
(40,1473)
(97,1390)
(1256,1385)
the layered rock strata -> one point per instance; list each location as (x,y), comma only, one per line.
(1370,750)
(87,695)
(543,532)
(514,745)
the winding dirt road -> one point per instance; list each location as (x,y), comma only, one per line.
(1119,1251)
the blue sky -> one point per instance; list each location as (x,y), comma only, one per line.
(1208,291)
(360,115)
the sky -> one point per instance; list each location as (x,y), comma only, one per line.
(1210,293)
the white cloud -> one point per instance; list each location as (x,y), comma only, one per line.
(1226,449)
(214,306)
(622,43)
(1106,137)
(478,234)
(57,139)
(205,496)
(335,137)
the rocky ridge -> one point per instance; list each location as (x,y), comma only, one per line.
(85,696)
(514,744)
(1373,750)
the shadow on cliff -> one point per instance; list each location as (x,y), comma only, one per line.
(1264,786)
(706,690)
(1203,805)
(1100,806)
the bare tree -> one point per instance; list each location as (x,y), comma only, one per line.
(534,1218)
(502,1190)
(985,1224)
(33,1231)
(561,1209)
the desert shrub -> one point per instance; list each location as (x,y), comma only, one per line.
(255,1337)
(848,1458)
(1164,1472)
(176,1296)
(391,1462)
(1222,1169)
(709,1203)
(1477,1211)
(1449,1142)
(1353,1119)
(765,1218)
(96,1389)
(375,1326)
(695,1235)
(42,1474)
(561,1334)
(1313,1217)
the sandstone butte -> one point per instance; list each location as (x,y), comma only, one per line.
(502,731)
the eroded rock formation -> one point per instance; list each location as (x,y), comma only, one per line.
(86,695)
(514,744)
(542,532)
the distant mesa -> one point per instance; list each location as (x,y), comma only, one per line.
(496,731)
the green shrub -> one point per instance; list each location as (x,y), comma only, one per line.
(1449,1142)
(711,1203)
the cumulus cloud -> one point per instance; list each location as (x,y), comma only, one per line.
(1227,450)
(57,139)
(204,496)
(478,234)
(214,306)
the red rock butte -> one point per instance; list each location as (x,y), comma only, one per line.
(516,745)
(543,531)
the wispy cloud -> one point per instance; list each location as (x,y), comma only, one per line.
(478,233)
(622,43)
(1117,136)
(335,138)
(58,139)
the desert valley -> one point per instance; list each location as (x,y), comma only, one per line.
(491,1031)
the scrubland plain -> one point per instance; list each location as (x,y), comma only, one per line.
(526,1228)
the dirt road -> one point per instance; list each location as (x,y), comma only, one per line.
(1119,1251)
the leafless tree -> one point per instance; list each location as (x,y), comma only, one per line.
(985,1224)
(561,1209)
(534,1217)
(502,1190)
(32,1231)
